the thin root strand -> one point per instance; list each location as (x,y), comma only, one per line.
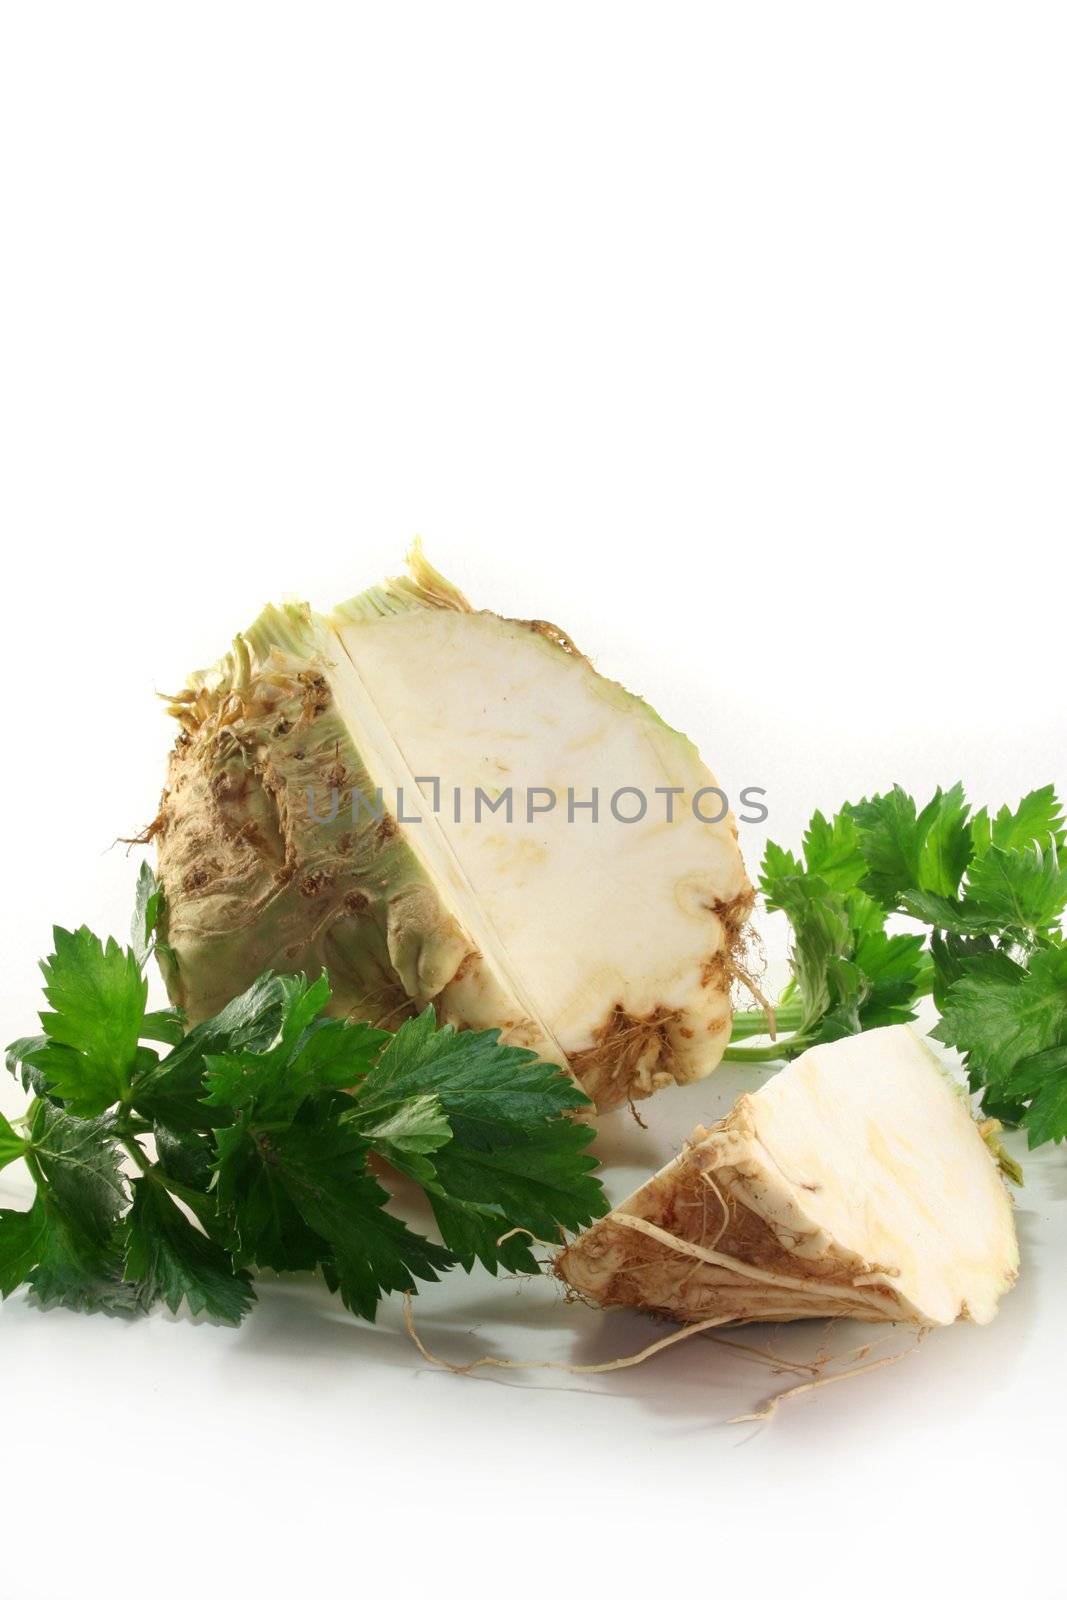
(465,1368)
(767,1411)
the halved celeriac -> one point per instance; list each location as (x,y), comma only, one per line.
(607,945)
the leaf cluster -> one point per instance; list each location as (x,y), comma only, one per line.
(989,890)
(262,1137)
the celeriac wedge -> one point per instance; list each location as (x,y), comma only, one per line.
(856,1183)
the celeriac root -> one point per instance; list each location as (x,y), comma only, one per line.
(463,1368)
(769,1407)
(764,1358)
(765,1413)
(746,980)
(852,1295)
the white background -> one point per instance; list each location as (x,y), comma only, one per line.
(733,339)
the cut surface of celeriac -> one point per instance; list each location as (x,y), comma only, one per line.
(605,945)
(855,1183)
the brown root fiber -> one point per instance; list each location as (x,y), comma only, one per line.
(631,1059)
(633,1056)
(463,1369)
(689,1245)
(769,1408)
(813,1377)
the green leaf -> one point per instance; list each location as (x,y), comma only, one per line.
(304,1058)
(171,1091)
(319,1168)
(1031,1073)
(262,1222)
(146,907)
(1015,886)
(169,1259)
(21,1060)
(185,1156)
(21,1241)
(484,1128)
(832,851)
(67,1251)
(999,1013)
(417,1126)
(1046,1116)
(906,850)
(75,1270)
(50,1069)
(778,866)
(891,841)
(338,1055)
(165,1027)
(480,1083)
(299,1196)
(308,1055)
(540,1181)
(848,973)
(949,916)
(1041,1080)
(264,1118)
(12,1144)
(98,997)
(251,1021)
(946,842)
(1002,1108)
(991,891)
(1022,890)
(1038,818)
(515,1160)
(481,1232)
(952,957)
(81,1163)
(893,967)
(862,914)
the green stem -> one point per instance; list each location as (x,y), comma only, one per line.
(193,1198)
(130,1124)
(748,1024)
(752,1055)
(134,1149)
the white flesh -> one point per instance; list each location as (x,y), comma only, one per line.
(576,919)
